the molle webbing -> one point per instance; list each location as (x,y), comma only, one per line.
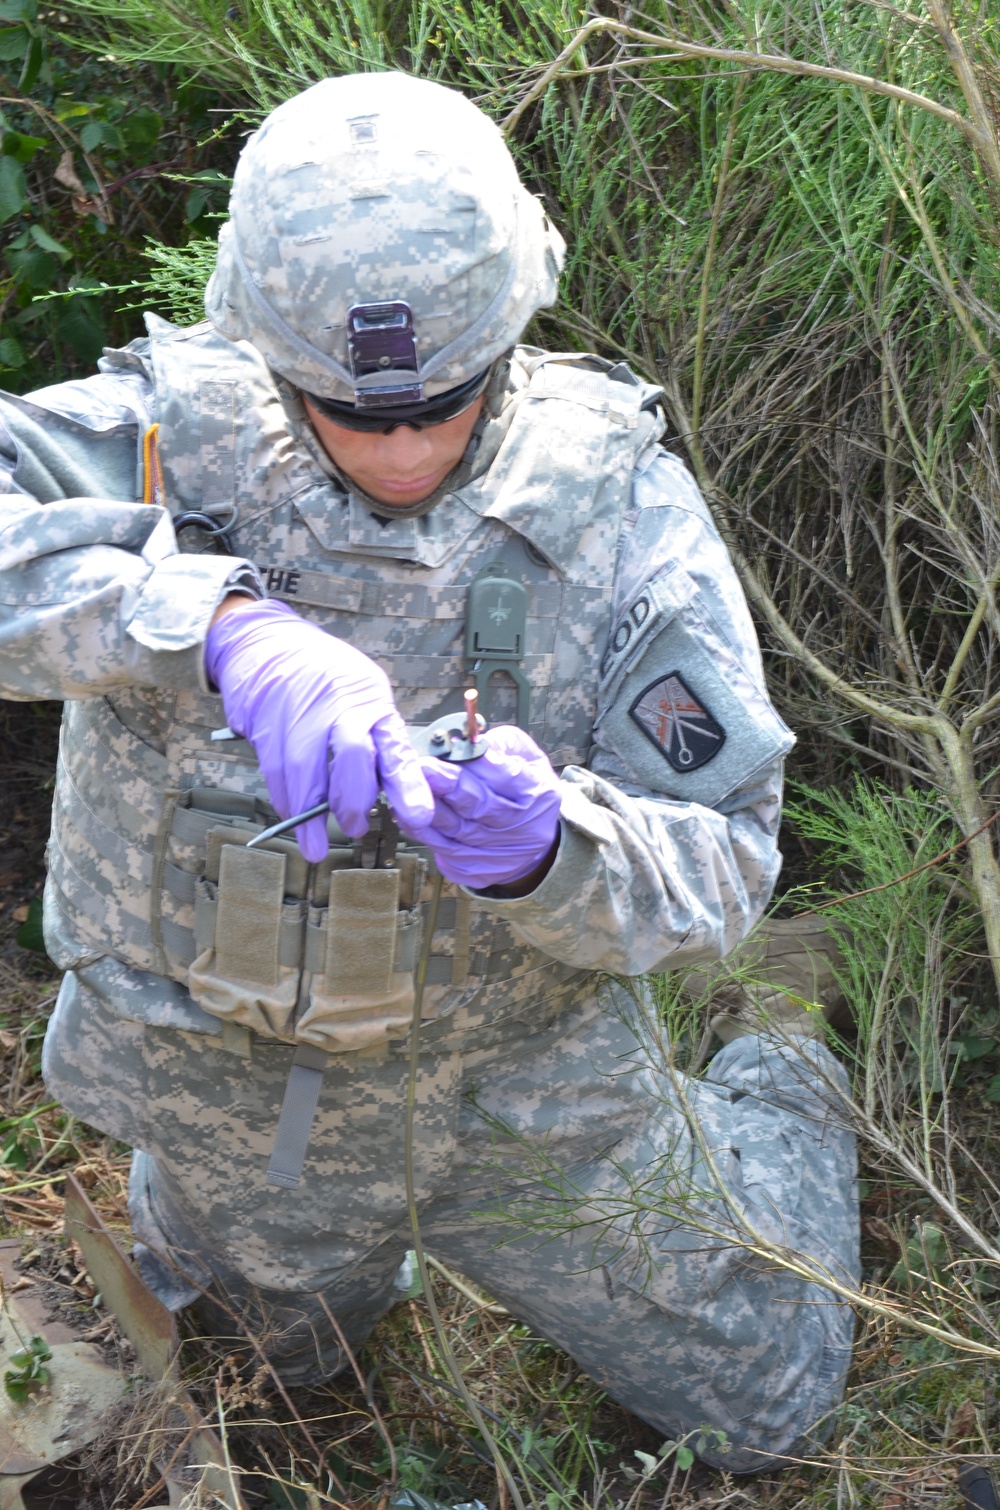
(208,824)
(388,600)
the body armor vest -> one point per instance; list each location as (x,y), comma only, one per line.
(149,810)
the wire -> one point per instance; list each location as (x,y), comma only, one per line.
(451,1363)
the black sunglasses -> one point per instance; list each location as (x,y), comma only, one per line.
(433,411)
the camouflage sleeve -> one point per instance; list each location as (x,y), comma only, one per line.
(94,593)
(645,880)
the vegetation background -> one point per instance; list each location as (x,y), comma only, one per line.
(787,212)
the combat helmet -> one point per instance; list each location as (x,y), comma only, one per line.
(381,250)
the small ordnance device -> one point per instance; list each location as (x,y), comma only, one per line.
(453,737)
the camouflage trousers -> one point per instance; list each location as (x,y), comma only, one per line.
(635,1218)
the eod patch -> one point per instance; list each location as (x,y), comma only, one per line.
(676,702)
(680,727)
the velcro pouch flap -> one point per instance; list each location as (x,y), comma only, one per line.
(361,931)
(248,927)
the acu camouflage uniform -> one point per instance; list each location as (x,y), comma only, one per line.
(99,608)
(532,1049)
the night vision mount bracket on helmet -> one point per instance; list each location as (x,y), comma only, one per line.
(380,339)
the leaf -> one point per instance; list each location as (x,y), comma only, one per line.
(685,1457)
(194,204)
(15,144)
(36,269)
(972,1046)
(12,355)
(925,1251)
(647,1460)
(13,191)
(67,175)
(992,1091)
(77,326)
(41,237)
(18,10)
(142,127)
(29,935)
(13,1155)
(71,110)
(27,1371)
(14,42)
(100,134)
(32,63)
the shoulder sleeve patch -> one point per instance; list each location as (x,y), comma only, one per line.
(677,704)
(677,724)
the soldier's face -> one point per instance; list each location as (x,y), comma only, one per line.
(404,466)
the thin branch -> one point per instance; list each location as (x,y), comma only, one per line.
(773,62)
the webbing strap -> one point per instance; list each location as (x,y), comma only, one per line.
(179,883)
(109,845)
(236,1038)
(439,968)
(190,826)
(178,941)
(298,1109)
(217,403)
(447,908)
(460,959)
(95,904)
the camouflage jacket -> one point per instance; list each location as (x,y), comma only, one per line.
(646,681)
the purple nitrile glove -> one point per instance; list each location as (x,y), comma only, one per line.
(495,818)
(321,719)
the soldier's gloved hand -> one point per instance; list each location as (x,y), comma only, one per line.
(496,819)
(320,717)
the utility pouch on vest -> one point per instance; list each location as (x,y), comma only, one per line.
(320,956)
(315,954)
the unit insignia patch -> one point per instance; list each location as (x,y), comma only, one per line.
(680,727)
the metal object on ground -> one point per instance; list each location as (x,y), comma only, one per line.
(61,1415)
(152,1331)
